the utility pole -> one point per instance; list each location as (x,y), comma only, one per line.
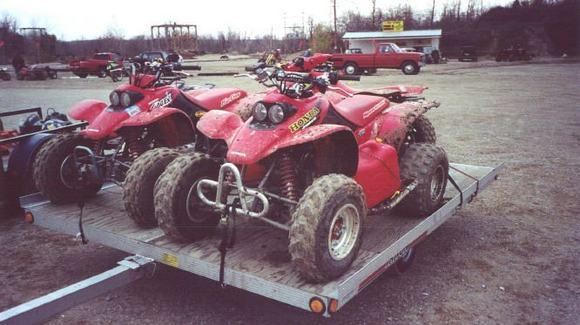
(335,29)
(432,14)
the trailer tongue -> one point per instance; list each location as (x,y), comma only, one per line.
(259,262)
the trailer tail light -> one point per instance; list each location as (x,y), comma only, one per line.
(317,305)
(333,306)
(28,217)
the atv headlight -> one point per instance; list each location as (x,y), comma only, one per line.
(276,114)
(125,99)
(260,112)
(114,98)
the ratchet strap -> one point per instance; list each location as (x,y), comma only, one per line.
(454,183)
(457,186)
(227,230)
(81,234)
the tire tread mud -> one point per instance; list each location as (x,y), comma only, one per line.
(170,187)
(138,188)
(47,165)
(310,215)
(419,162)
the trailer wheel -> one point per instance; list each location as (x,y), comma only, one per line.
(49,170)
(423,131)
(140,182)
(179,218)
(410,68)
(82,75)
(350,68)
(327,227)
(404,262)
(427,164)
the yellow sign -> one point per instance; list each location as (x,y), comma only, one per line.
(393,26)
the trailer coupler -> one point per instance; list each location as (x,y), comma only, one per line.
(41,309)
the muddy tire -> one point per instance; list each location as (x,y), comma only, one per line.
(47,170)
(172,208)
(410,68)
(327,227)
(139,185)
(428,164)
(423,130)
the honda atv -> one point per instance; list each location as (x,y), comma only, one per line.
(311,162)
(149,112)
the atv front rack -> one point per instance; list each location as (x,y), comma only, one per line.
(230,178)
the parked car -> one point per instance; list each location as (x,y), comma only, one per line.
(151,56)
(96,66)
(513,53)
(468,53)
(385,56)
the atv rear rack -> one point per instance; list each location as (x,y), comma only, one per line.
(250,264)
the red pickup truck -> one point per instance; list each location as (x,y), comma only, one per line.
(97,66)
(386,56)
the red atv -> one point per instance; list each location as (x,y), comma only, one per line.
(151,111)
(311,162)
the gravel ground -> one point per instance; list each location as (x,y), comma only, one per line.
(510,257)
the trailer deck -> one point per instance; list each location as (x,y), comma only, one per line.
(259,262)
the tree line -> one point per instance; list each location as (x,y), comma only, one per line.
(543,26)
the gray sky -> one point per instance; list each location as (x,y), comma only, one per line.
(89,19)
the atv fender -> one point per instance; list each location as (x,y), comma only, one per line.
(394,123)
(378,171)
(218,124)
(87,110)
(175,127)
(335,146)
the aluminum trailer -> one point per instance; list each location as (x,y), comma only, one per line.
(259,262)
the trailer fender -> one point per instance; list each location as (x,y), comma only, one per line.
(87,110)
(19,170)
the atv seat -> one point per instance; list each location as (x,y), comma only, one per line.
(360,109)
(216,98)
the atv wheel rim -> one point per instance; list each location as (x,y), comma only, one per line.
(350,69)
(409,68)
(437,183)
(68,173)
(192,207)
(343,232)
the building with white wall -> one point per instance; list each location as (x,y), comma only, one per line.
(426,40)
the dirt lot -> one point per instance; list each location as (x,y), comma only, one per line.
(510,257)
